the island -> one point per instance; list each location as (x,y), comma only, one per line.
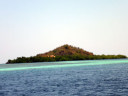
(64,53)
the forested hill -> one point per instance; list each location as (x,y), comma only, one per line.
(64,53)
(66,50)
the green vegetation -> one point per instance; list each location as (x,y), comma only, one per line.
(64,53)
(66,50)
(63,58)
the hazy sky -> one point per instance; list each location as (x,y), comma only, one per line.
(29,27)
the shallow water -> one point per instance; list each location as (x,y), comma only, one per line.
(104,78)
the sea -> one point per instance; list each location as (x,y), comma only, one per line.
(65,78)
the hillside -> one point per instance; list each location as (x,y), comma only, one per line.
(64,53)
(65,50)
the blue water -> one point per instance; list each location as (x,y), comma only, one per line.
(94,80)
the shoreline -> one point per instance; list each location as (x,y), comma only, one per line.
(62,64)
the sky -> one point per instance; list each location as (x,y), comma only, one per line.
(30,27)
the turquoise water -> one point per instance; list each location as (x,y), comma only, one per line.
(67,78)
(23,66)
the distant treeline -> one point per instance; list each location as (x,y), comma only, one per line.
(63,58)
